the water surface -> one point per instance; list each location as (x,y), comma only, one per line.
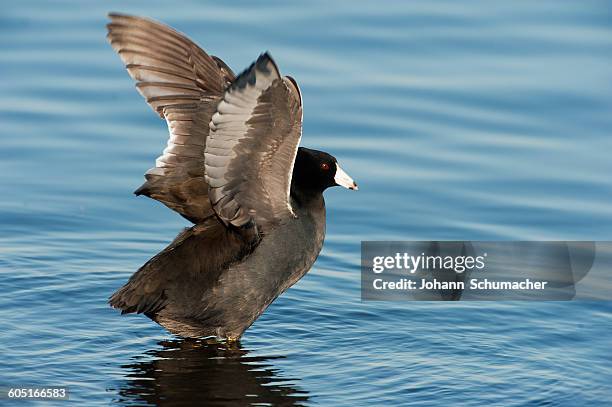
(473,121)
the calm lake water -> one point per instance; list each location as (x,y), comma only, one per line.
(480,120)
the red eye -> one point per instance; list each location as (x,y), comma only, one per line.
(325,166)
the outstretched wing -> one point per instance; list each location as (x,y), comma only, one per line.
(251,148)
(183,84)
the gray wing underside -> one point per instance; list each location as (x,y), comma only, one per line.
(252,144)
(183,84)
(232,141)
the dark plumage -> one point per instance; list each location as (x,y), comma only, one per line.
(233,167)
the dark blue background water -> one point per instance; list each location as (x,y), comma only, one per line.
(472,120)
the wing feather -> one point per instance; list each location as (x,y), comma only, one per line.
(183,84)
(251,148)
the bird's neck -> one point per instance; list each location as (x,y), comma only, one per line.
(308,198)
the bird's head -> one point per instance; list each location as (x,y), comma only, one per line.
(317,170)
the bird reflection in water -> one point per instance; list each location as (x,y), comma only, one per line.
(194,372)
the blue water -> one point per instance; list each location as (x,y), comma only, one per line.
(476,120)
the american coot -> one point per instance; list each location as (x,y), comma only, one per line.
(232,167)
